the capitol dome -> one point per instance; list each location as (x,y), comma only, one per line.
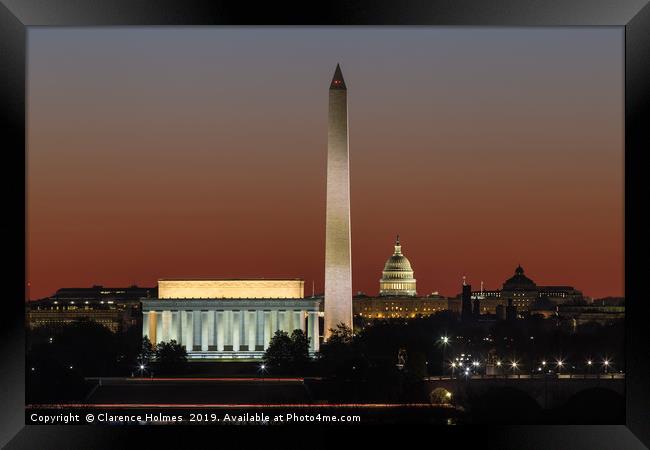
(397,277)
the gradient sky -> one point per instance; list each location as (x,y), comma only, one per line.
(201,152)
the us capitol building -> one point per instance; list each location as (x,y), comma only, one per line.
(398,293)
(397,277)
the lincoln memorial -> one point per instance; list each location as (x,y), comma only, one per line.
(228,319)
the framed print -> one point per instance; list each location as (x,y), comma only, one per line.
(239,218)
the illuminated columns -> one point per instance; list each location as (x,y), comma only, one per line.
(242,331)
(145,324)
(259,341)
(283,321)
(165,316)
(212,332)
(205,335)
(227,328)
(196,322)
(180,331)
(159,327)
(252,330)
(220,328)
(267,329)
(338,272)
(236,317)
(315,324)
(280,320)
(312,331)
(287,321)
(243,343)
(188,330)
(175,327)
(297,320)
(167,325)
(274,321)
(234,329)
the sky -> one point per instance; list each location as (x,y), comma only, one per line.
(201,152)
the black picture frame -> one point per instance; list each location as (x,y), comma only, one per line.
(16,16)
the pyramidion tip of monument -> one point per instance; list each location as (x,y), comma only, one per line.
(337,81)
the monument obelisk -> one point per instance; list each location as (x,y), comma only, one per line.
(338,266)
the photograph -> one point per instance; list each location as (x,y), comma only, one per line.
(362,225)
(226,221)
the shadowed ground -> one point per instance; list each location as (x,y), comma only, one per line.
(200,391)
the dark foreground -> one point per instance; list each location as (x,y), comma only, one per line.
(271,401)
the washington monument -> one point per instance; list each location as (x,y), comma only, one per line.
(338,267)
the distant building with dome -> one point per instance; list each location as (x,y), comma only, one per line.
(398,296)
(397,276)
(397,293)
(525,295)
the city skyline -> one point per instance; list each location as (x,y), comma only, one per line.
(229,181)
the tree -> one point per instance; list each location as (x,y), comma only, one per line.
(147,351)
(288,354)
(145,355)
(87,346)
(278,355)
(299,350)
(339,356)
(129,346)
(342,335)
(58,359)
(171,356)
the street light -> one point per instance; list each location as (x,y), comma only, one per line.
(559,363)
(445,341)
(606,364)
(514,366)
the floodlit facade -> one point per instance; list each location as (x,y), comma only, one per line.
(229,319)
